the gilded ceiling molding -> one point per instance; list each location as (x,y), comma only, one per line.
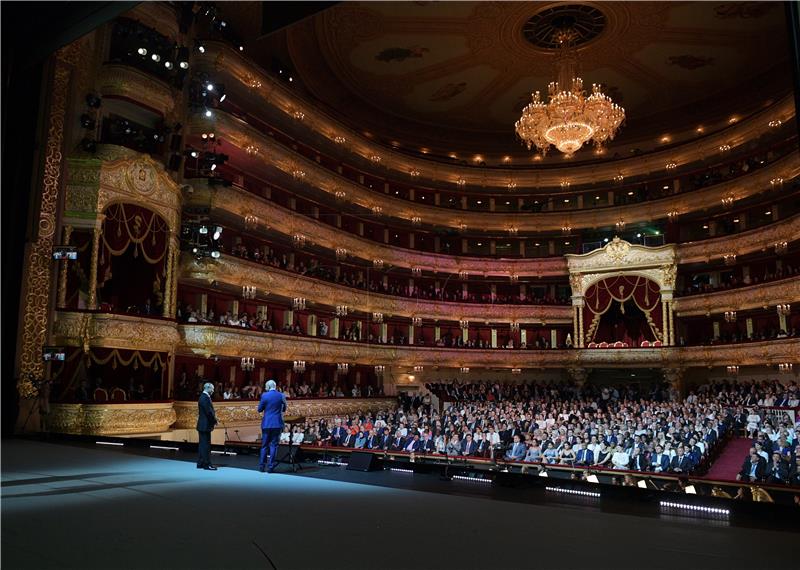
(243,204)
(241,135)
(111,419)
(117,175)
(205,341)
(238,413)
(119,80)
(758,239)
(279,96)
(761,296)
(238,272)
(104,330)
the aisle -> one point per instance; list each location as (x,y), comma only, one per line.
(728,464)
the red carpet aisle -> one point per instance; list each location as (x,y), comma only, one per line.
(730,462)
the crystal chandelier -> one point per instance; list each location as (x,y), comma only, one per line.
(570,118)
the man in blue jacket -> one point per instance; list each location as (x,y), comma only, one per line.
(273,404)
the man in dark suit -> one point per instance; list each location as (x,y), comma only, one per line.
(398,442)
(272,404)
(468,447)
(349,440)
(206,420)
(778,471)
(753,469)
(412,445)
(426,444)
(585,456)
(681,463)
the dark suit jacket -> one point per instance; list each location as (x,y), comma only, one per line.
(779,474)
(206,418)
(398,444)
(427,445)
(760,469)
(468,449)
(684,463)
(348,440)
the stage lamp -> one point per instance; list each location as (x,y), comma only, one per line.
(141,51)
(201,48)
(183,58)
(217,232)
(168,64)
(203,230)
(241,48)
(208,113)
(93,101)
(209,87)
(194,250)
(155,57)
(87,122)
(192,153)
(215,254)
(213,166)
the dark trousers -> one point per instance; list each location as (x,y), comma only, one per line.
(269,437)
(204,448)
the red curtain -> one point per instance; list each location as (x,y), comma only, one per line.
(126,225)
(645,293)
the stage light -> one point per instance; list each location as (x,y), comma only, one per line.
(183,58)
(168,64)
(241,48)
(221,99)
(184,65)
(208,113)
(93,101)
(194,153)
(215,254)
(203,230)
(697,508)
(213,166)
(167,448)
(592,479)
(593,494)
(114,443)
(401,470)
(201,48)
(209,87)
(290,79)
(194,250)
(222,452)
(217,232)
(141,51)
(155,57)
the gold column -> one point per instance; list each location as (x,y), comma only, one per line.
(665,321)
(671,326)
(174,295)
(167,308)
(93,267)
(62,277)
(575,332)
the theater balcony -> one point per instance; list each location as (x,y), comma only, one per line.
(237,136)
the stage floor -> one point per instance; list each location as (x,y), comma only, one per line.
(76,506)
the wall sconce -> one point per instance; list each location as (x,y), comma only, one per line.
(784,309)
(377,317)
(730,316)
(248,363)
(299,366)
(342,310)
(248,292)
(299,304)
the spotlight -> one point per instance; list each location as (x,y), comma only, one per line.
(155,57)
(201,48)
(194,250)
(184,65)
(87,122)
(241,48)
(215,254)
(208,113)
(89,145)
(290,79)
(168,64)
(221,99)
(217,232)
(214,167)
(203,230)
(183,58)
(192,153)
(204,136)
(210,87)
(141,51)
(93,101)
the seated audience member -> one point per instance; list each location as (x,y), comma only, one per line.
(412,444)
(468,446)
(681,463)
(361,440)
(778,470)
(517,450)
(534,453)
(567,455)
(454,447)
(349,440)
(753,469)
(584,457)
(659,461)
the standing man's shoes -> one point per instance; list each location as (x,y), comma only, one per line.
(210,468)
(271,470)
(261,468)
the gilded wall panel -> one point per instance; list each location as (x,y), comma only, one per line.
(115,331)
(111,419)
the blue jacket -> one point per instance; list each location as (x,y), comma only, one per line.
(273,404)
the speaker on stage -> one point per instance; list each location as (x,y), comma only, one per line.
(362,461)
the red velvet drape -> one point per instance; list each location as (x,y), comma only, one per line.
(644,293)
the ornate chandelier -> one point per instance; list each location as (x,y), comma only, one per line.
(569,119)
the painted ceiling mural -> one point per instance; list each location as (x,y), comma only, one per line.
(438,72)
